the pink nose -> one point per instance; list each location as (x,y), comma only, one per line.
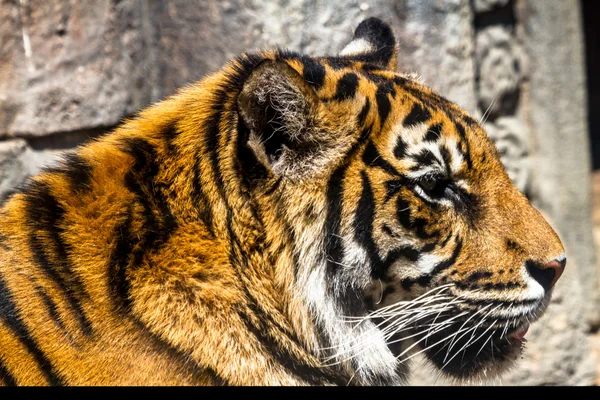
(558,267)
(547,275)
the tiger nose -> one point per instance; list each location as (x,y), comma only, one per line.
(547,275)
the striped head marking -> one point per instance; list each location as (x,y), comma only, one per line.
(403,219)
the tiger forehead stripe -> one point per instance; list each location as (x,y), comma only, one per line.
(346,87)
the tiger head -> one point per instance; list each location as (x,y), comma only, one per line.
(408,235)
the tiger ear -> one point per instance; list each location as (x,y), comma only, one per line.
(280,111)
(374,42)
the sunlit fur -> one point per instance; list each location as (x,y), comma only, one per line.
(280,222)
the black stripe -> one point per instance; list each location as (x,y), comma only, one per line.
(433,133)
(242,68)
(393,187)
(200,199)
(363,225)
(449,262)
(429,247)
(51,272)
(5,376)
(446,240)
(369,72)
(140,181)
(425,280)
(273,187)
(407,252)
(52,308)
(363,230)
(195,370)
(420,228)
(213,135)
(383,102)
(424,159)
(488,286)
(10,316)
(118,281)
(465,148)
(362,116)
(447,159)
(77,170)
(417,115)
(400,149)
(403,212)
(170,133)
(338,63)
(159,222)
(373,158)
(504,303)
(313,72)
(46,215)
(288,231)
(432,99)
(478,275)
(333,220)
(469,120)
(346,87)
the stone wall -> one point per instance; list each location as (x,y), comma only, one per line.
(71,70)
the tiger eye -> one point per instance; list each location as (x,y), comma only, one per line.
(428,184)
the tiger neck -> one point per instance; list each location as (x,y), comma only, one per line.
(321,297)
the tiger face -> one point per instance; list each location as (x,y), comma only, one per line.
(411,237)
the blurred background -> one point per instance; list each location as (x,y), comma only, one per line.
(71,70)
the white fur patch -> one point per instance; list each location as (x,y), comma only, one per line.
(357,46)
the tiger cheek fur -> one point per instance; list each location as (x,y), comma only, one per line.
(288,220)
(480,261)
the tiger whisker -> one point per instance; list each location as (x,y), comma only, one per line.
(416,343)
(472,316)
(388,332)
(474,341)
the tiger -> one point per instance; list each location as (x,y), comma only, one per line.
(287,220)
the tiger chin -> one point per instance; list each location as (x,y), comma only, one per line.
(288,220)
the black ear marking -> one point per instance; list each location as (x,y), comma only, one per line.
(373,42)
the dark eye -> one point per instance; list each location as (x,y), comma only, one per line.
(438,187)
(428,184)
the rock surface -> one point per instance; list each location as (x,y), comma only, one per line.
(70,71)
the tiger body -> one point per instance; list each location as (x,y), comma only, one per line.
(247,230)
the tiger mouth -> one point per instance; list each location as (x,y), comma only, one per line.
(465,337)
(462,350)
(482,353)
(464,343)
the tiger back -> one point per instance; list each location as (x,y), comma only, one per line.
(288,220)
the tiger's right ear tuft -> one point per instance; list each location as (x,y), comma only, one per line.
(373,42)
